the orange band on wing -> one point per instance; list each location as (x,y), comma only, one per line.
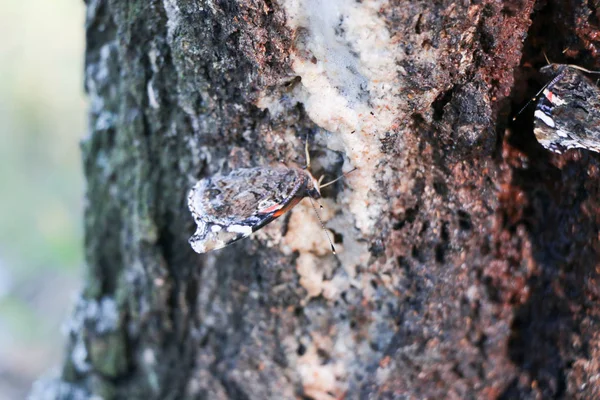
(287,207)
(271,209)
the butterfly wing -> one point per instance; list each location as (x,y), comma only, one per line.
(230,207)
(568,113)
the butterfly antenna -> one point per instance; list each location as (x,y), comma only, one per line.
(572,65)
(532,99)
(320,180)
(546,57)
(538,93)
(322,224)
(336,179)
(583,69)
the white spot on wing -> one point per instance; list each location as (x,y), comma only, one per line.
(198,245)
(244,230)
(546,119)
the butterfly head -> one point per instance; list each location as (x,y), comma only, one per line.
(312,188)
(552,69)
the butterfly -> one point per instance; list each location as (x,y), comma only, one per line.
(230,207)
(567,114)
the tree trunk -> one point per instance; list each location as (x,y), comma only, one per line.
(467,261)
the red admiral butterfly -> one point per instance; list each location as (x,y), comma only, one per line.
(230,207)
(567,115)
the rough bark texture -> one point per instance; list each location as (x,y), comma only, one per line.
(468,263)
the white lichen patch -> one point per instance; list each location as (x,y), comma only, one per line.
(311,274)
(79,356)
(344,56)
(321,381)
(98,81)
(173,17)
(305,233)
(102,315)
(152,96)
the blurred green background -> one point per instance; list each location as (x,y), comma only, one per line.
(43,115)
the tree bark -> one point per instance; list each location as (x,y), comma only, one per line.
(468,255)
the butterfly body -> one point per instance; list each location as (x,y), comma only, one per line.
(567,115)
(229,207)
